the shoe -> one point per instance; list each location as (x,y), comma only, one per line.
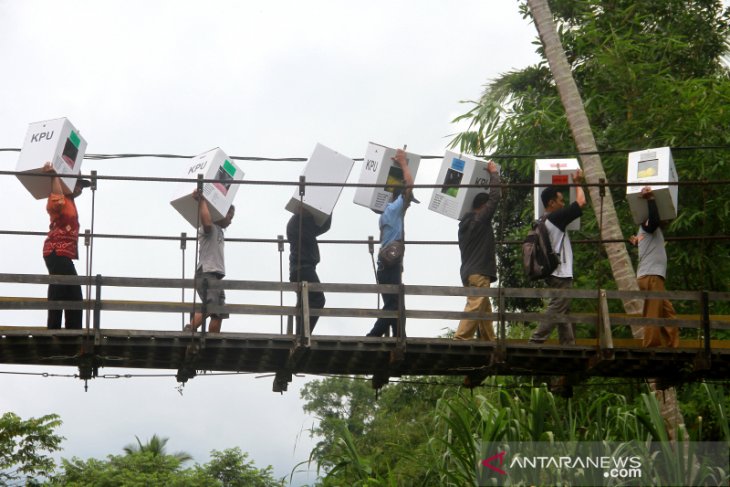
(188,327)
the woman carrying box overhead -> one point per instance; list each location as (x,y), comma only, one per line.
(61,248)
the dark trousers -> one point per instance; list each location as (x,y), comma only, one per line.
(63,266)
(316,299)
(566,332)
(388,275)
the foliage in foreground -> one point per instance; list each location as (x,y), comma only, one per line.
(651,74)
(25,446)
(457,429)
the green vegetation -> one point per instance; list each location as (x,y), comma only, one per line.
(25,446)
(444,432)
(24,459)
(651,74)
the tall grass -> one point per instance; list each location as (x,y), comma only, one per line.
(466,428)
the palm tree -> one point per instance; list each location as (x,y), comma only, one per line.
(623,270)
(621,266)
(155,446)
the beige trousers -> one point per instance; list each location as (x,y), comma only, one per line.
(474,304)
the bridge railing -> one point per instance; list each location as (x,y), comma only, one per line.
(601,321)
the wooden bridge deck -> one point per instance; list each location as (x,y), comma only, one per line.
(262,353)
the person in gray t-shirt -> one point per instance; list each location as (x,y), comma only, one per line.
(651,272)
(211,262)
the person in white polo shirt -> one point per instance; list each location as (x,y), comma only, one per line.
(558,217)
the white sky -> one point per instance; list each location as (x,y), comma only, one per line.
(257,79)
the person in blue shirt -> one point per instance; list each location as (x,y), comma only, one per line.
(391,229)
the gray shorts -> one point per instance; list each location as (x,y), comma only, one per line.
(215,296)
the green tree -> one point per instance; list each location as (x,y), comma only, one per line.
(651,75)
(146,464)
(231,468)
(142,468)
(25,445)
(391,431)
(156,447)
(462,426)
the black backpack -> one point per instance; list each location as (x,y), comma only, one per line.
(538,258)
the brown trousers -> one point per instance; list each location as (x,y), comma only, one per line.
(658,336)
(480,304)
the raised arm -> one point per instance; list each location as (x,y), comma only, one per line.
(495,192)
(204,212)
(56,187)
(652,223)
(400,159)
(580,196)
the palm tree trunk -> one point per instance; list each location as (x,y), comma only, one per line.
(621,266)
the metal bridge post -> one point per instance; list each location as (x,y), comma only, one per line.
(183,246)
(204,307)
(280,247)
(305,334)
(703,361)
(605,338)
(401,327)
(97,311)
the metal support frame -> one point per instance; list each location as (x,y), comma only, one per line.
(305,334)
(204,308)
(280,248)
(97,310)
(703,361)
(183,246)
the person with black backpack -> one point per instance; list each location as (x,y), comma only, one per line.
(557,217)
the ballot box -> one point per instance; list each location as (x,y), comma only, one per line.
(213,164)
(324,166)
(458,169)
(555,172)
(56,141)
(380,170)
(653,168)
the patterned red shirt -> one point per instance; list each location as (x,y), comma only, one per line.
(63,233)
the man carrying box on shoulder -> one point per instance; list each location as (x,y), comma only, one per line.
(304,257)
(211,262)
(651,272)
(391,231)
(558,217)
(478,259)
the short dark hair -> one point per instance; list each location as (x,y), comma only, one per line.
(549,193)
(479,200)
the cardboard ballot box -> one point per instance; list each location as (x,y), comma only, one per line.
(456,168)
(214,164)
(556,172)
(655,167)
(324,166)
(58,142)
(378,168)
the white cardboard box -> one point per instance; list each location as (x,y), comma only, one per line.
(56,141)
(458,169)
(378,168)
(324,166)
(652,166)
(214,164)
(556,172)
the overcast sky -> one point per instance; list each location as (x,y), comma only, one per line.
(264,79)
